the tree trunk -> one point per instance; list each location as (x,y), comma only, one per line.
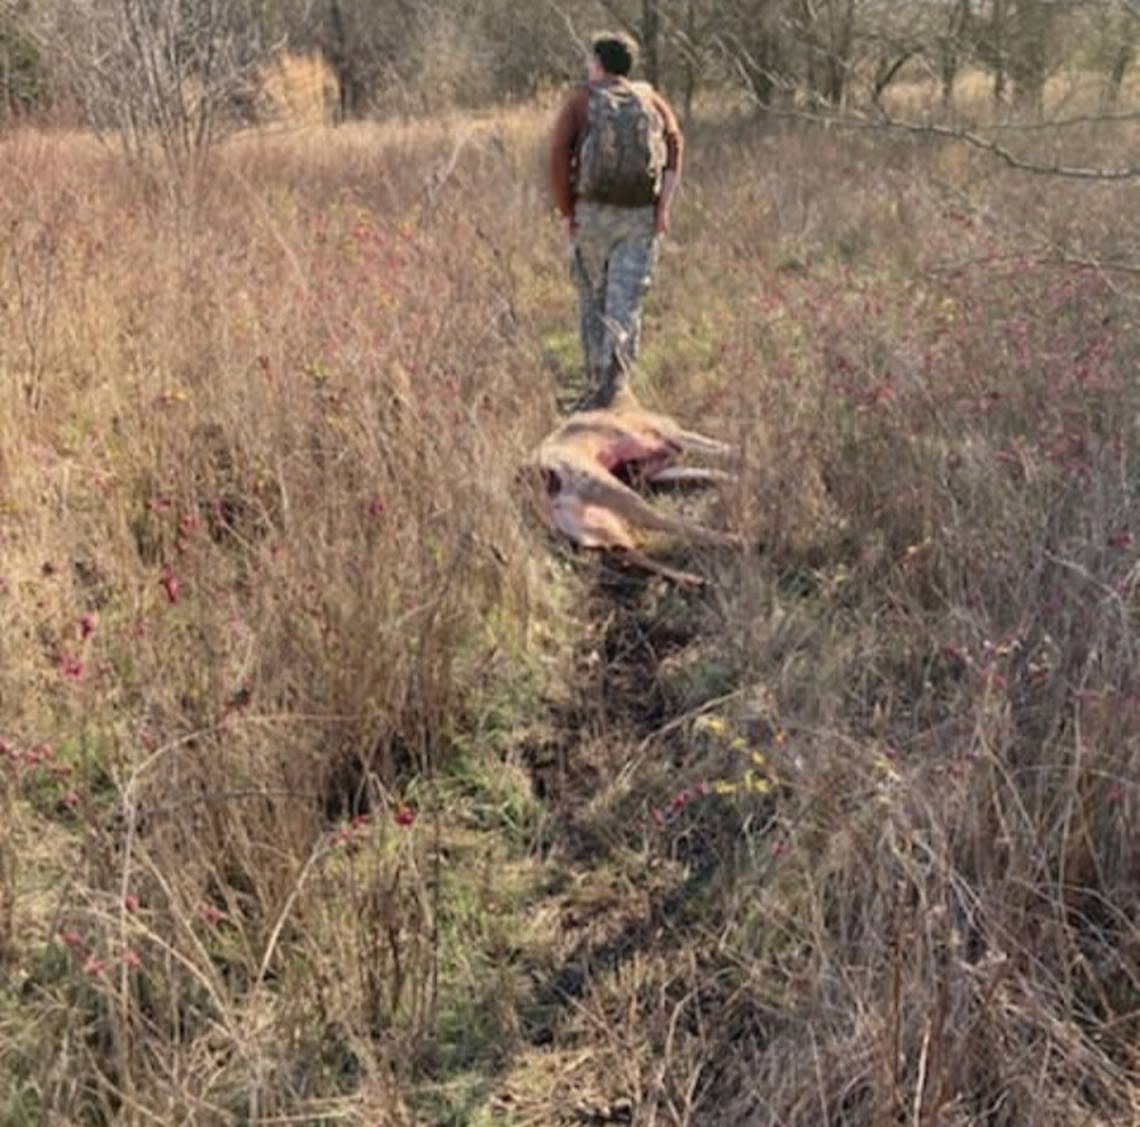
(1033,23)
(340,58)
(650,40)
(841,43)
(1122,59)
(758,70)
(950,49)
(998,33)
(690,57)
(1116,75)
(887,69)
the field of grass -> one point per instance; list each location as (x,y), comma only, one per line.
(331,791)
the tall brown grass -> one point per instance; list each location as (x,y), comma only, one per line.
(851,840)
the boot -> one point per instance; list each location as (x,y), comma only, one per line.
(599,394)
(613,382)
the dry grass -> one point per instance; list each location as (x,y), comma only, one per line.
(300,90)
(330,794)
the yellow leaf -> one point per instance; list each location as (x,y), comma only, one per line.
(882,763)
(714,724)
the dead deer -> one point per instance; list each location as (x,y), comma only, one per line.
(589,468)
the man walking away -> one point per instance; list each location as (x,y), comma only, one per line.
(615,162)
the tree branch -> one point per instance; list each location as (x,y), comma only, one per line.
(626,24)
(887,75)
(986,144)
(1105,118)
(971,137)
(571,30)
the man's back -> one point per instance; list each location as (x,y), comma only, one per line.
(615,161)
(572,128)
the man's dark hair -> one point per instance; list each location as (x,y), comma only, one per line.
(616,52)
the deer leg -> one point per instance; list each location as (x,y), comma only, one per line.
(641,560)
(690,475)
(620,499)
(702,444)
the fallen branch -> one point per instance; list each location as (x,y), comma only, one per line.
(745,67)
(986,144)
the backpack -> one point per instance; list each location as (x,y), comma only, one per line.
(621,156)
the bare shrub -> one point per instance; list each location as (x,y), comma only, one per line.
(167,78)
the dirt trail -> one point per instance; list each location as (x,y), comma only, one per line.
(608,916)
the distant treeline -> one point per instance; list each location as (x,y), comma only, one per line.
(184,66)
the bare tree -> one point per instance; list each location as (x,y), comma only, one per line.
(693,37)
(369,44)
(23,70)
(1035,49)
(166,76)
(950,45)
(174,72)
(826,31)
(1117,33)
(1018,42)
(651,39)
(932,39)
(753,40)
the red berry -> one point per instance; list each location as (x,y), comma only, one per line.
(169,583)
